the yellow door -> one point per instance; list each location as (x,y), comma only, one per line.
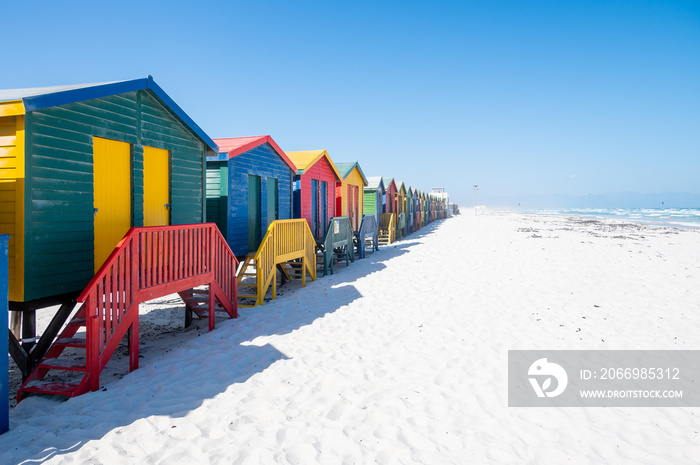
(156,187)
(112,192)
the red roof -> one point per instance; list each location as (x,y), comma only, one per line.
(237,145)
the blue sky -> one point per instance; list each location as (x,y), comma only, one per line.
(520,97)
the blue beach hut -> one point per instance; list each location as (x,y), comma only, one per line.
(249,185)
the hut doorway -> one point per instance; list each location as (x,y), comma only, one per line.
(319,208)
(272,201)
(324,210)
(156,187)
(352,204)
(354,207)
(253,212)
(314,208)
(112,195)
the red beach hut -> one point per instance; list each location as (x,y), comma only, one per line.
(314,189)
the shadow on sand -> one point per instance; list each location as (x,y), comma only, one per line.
(163,385)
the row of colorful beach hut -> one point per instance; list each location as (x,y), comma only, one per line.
(108,193)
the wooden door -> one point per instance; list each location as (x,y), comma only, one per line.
(253,212)
(156,187)
(272,201)
(351,213)
(356,201)
(112,195)
(314,208)
(324,209)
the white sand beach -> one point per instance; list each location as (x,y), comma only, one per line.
(400,358)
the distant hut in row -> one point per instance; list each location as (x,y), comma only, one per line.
(409,209)
(350,193)
(389,196)
(400,197)
(373,197)
(416,209)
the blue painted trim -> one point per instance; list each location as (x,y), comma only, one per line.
(181,114)
(53,99)
(38,102)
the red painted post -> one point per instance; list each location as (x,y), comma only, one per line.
(134,342)
(210,268)
(118,312)
(142,260)
(234,297)
(171,255)
(103,315)
(92,345)
(135,286)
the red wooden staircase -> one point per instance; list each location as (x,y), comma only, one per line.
(148,263)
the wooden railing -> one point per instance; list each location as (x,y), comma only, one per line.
(285,240)
(339,234)
(401,226)
(368,231)
(151,262)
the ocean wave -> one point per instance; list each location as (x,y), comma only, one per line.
(674,217)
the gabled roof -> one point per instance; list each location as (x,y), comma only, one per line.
(233,146)
(388,182)
(399,185)
(375,183)
(308,158)
(346,168)
(38,98)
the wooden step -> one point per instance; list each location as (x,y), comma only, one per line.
(51,387)
(202,306)
(71,342)
(77,322)
(189,294)
(204,314)
(197,298)
(64,364)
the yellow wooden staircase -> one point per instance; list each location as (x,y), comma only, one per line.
(387,230)
(288,246)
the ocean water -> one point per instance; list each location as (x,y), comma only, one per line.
(674,217)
